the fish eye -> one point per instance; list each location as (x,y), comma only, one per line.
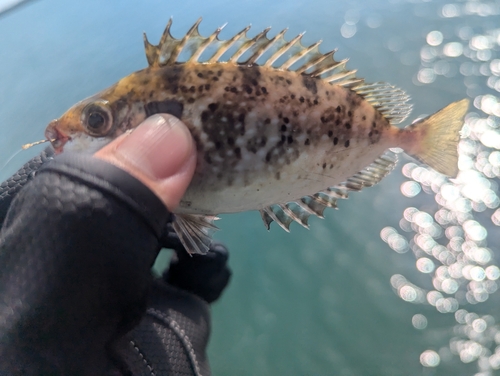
(97,119)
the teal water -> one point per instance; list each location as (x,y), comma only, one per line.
(338,299)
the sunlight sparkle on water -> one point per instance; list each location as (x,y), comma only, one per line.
(451,241)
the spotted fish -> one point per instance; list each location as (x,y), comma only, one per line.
(279,127)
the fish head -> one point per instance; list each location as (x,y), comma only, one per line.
(94,122)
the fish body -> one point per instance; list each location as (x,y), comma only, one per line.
(287,142)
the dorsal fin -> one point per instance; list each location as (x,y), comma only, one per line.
(300,210)
(391,101)
(285,55)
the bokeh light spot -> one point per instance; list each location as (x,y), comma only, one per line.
(434,38)
(425,265)
(430,358)
(419,321)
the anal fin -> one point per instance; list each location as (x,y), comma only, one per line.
(300,210)
(195,231)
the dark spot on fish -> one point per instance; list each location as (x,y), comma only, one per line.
(346,144)
(290,139)
(315,101)
(257,92)
(218,145)
(237,152)
(168,106)
(331,166)
(288,81)
(192,89)
(215,78)
(370,134)
(250,74)
(230,141)
(278,176)
(338,109)
(200,74)
(292,96)
(374,125)
(330,133)
(301,99)
(286,120)
(307,142)
(376,131)
(210,72)
(213,106)
(204,116)
(335,140)
(219,72)
(191,100)
(283,139)
(295,113)
(338,122)
(184,89)
(324,165)
(283,128)
(241,117)
(268,156)
(263,89)
(310,84)
(267,121)
(349,113)
(364,117)
(207,86)
(200,88)
(234,90)
(173,75)
(247,88)
(348,125)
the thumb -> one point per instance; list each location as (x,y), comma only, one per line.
(160,152)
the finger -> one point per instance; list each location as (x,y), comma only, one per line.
(160,152)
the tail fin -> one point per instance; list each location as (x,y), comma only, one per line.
(437,138)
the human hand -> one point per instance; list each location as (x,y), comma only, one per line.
(77,245)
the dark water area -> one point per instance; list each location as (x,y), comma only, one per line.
(402,279)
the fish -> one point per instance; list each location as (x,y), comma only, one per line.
(279,127)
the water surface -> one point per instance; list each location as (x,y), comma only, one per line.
(401,280)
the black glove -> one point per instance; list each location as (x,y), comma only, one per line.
(76,249)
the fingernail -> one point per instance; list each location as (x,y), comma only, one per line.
(159,147)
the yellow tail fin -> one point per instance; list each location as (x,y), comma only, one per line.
(434,140)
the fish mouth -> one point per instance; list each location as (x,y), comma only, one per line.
(57,138)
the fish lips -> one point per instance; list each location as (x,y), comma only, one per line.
(56,137)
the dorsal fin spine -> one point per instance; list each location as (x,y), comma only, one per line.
(283,50)
(293,59)
(247,45)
